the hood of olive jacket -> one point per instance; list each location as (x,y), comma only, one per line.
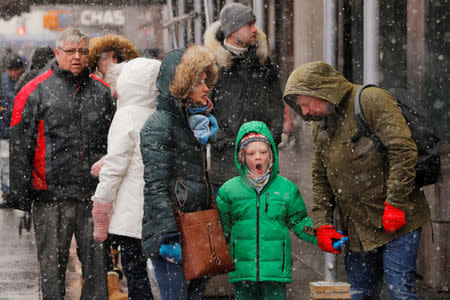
(316,79)
(261,128)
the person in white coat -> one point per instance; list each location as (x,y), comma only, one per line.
(119,197)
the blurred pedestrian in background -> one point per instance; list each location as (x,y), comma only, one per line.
(14,69)
(40,58)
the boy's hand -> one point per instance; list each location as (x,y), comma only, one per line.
(326,236)
(339,244)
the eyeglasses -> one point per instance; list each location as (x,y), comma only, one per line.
(72,51)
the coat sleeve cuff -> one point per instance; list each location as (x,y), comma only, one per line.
(171,238)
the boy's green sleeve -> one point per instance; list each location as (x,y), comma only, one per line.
(225,212)
(299,222)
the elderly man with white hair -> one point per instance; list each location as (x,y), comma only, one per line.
(59,128)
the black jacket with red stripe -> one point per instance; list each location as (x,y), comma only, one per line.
(59,129)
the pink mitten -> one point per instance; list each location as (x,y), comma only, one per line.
(96,167)
(101,220)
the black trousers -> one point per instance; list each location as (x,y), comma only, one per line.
(134,266)
(55,223)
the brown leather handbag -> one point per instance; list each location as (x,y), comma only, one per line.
(203,245)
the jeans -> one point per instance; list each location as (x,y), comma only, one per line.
(4,165)
(134,266)
(396,260)
(172,284)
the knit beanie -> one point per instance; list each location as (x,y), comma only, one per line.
(41,56)
(249,138)
(13,61)
(233,16)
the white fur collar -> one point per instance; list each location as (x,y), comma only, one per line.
(223,56)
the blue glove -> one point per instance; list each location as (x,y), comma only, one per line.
(339,244)
(214,125)
(171,252)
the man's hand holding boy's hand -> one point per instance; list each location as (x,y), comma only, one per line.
(328,237)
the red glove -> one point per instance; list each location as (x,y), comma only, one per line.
(101,220)
(326,235)
(393,218)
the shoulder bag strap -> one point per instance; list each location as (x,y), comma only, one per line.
(180,204)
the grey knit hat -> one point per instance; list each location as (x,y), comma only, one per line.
(233,16)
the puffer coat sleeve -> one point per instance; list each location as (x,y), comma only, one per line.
(158,148)
(298,221)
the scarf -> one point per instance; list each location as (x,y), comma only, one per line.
(259,182)
(235,50)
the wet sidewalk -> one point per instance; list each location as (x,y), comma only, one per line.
(19,268)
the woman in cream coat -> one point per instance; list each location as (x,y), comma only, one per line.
(119,198)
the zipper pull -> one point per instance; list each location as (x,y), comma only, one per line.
(267,202)
(257,201)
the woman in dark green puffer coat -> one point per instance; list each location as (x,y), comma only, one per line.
(257,213)
(175,166)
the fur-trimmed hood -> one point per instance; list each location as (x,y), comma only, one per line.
(196,59)
(213,40)
(181,69)
(122,47)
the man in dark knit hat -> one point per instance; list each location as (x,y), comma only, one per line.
(248,87)
(14,68)
(39,62)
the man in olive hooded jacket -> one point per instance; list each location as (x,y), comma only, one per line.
(370,184)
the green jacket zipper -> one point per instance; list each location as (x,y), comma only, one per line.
(257,238)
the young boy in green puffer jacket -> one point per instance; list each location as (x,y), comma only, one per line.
(258,208)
